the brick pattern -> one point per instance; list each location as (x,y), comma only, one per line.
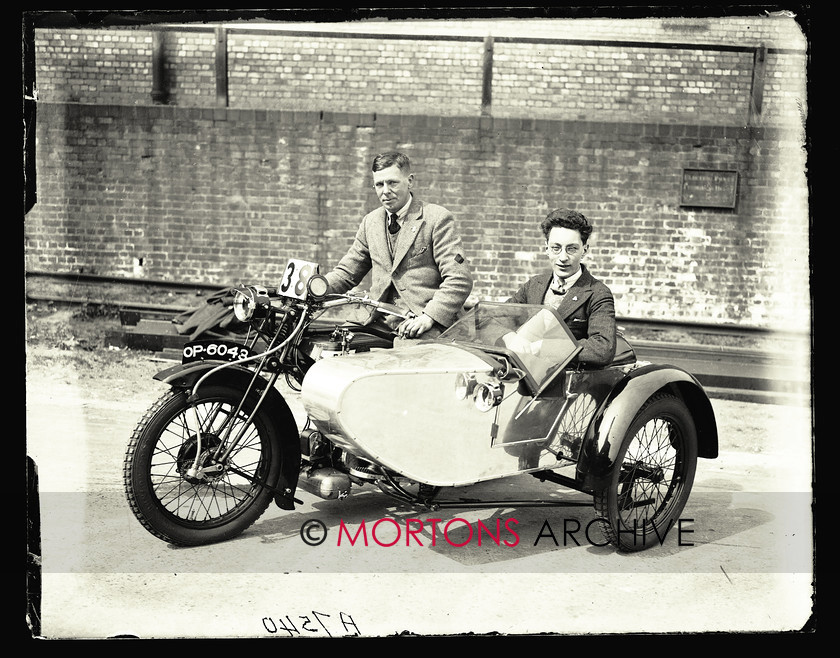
(190,69)
(93,66)
(203,193)
(578,82)
(225,196)
(355,74)
(443,76)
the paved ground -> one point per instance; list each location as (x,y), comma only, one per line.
(745,565)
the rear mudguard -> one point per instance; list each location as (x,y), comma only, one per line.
(185,376)
(607,429)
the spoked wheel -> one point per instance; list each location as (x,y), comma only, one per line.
(653,476)
(186,492)
(574,423)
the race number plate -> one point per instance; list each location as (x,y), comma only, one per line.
(295,277)
(213,350)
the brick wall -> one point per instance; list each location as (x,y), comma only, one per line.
(704,87)
(576,74)
(203,193)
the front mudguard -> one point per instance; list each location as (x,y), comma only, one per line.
(606,431)
(280,415)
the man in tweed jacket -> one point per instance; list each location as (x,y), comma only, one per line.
(413,252)
(585,303)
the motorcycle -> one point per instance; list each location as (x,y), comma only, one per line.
(495,396)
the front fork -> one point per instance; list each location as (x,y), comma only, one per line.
(194,426)
(194,423)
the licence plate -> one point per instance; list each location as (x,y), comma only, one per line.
(214,350)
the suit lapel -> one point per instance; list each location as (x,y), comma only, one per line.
(408,232)
(540,288)
(575,298)
(379,234)
(577,295)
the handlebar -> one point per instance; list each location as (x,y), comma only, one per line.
(336,299)
(364,300)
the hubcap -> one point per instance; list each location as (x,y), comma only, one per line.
(186,459)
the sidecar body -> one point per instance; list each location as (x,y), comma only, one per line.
(494,396)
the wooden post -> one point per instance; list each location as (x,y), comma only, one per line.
(160,94)
(487,78)
(221,67)
(757,91)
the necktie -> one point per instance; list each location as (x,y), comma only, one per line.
(561,290)
(393,224)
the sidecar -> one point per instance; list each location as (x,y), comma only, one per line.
(496,396)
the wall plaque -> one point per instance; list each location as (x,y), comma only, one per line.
(709,188)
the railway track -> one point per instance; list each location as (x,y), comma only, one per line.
(734,362)
(120,292)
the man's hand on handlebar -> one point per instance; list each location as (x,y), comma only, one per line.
(415,326)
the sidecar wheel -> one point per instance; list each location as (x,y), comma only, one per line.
(173,504)
(653,476)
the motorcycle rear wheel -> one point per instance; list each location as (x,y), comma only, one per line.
(191,511)
(653,476)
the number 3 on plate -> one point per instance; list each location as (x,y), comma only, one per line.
(298,272)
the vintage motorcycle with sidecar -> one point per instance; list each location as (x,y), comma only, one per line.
(492,397)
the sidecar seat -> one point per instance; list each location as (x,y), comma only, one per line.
(624,352)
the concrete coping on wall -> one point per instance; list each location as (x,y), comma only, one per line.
(485,124)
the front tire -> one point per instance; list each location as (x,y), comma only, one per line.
(185,509)
(652,477)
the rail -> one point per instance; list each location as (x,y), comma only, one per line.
(39,282)
(713,353)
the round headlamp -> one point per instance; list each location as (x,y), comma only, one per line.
(243,304)
(487,395)
(247,300)
(464,386)
(317,286)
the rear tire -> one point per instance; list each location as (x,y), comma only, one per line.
(652,478)
(186,510)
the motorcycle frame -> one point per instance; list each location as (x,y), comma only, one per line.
(189,377)
(598,453)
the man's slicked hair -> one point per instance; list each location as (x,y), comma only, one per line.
(390,158)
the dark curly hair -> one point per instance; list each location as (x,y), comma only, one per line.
(566,218)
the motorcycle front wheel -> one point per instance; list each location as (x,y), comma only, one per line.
(188,507)
(652,478)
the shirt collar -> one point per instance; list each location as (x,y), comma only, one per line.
(568,282)
(401,213)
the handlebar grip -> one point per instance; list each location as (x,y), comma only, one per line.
(393,310)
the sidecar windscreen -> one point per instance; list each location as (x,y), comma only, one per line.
(534,335)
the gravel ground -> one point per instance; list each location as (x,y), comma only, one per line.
(763,447)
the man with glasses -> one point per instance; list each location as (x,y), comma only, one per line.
(585,303)
(413,252)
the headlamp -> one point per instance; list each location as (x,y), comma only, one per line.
(247,301)
(487,395)
(464,386)
(317,286)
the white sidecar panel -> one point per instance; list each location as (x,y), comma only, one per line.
(327,380)
(399,409)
